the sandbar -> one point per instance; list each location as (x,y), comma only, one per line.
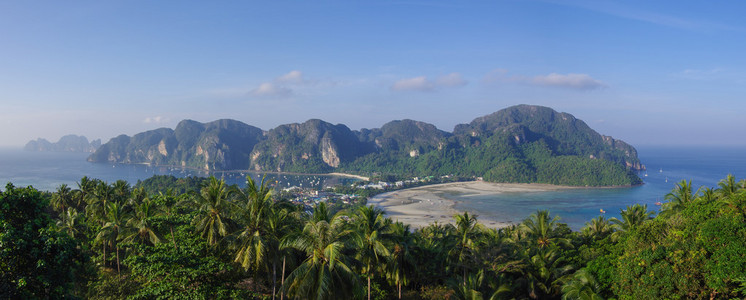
(424,205)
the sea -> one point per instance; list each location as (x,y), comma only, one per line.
(704,166)
(48,170)
(665,166)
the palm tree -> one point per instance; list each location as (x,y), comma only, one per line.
(69,222)
(632,217)
(401,262)
(728,186)
(434,244)
(137,196)
(469,289)
(251,241)
(582,286)
(280,223)
(98,202)
(169,210)
(547,271)
(212,207)
(597,228)
(321,213)
(467,230)
(372,232)
(736,202)
(326,273)
(681,195)
(62,198)
(708,195)
(85,190)
(139,227)
(540,229)
(111,232)
(120,190)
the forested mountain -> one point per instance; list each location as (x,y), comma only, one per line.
(522,143)
(313,146)
(68,143)
(565,134)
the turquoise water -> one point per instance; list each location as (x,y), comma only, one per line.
(48,170)
(704,166)
(666,166)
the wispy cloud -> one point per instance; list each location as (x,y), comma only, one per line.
(575,81)
(282,86)
(696,74)
(413,84)
(633,13)
(423,84)
(155,120)
(269,89)
(293,77)
(570,80)
(451,80)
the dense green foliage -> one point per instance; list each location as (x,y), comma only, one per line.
(36,261)
(178,185)
(500,159)
(112,241)
(522,143)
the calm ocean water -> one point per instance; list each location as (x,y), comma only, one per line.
(704,166)
(48,170)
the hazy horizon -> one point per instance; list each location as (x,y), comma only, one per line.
(645,73)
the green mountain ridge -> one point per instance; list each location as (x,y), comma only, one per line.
(522,143)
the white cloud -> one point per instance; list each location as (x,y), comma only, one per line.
(570,80)
(413,84)
(268,89)
(694,74)
(421,83)
(451,80)
(282,86)
(155,120)
(294,77)
(574,81)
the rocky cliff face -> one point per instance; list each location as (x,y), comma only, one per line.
(408,136)
(68,143)
(520,143)
(314,145)
(218,145)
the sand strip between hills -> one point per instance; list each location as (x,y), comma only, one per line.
(421,206)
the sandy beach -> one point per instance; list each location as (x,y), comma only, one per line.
(421,206)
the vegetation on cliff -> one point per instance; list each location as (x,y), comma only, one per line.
(522,143)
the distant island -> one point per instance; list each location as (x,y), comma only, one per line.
(68,143)
(523,143)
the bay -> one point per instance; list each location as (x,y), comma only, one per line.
(48,170)
(704,166)
(666,166)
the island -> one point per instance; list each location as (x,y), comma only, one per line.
(68,143)
(518,144)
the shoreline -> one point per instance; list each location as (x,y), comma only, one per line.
(337,174)
(425,205)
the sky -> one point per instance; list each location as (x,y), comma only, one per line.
(646,72)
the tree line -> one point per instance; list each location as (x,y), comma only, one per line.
(113,241)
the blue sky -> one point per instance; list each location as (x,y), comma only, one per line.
(647,72)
